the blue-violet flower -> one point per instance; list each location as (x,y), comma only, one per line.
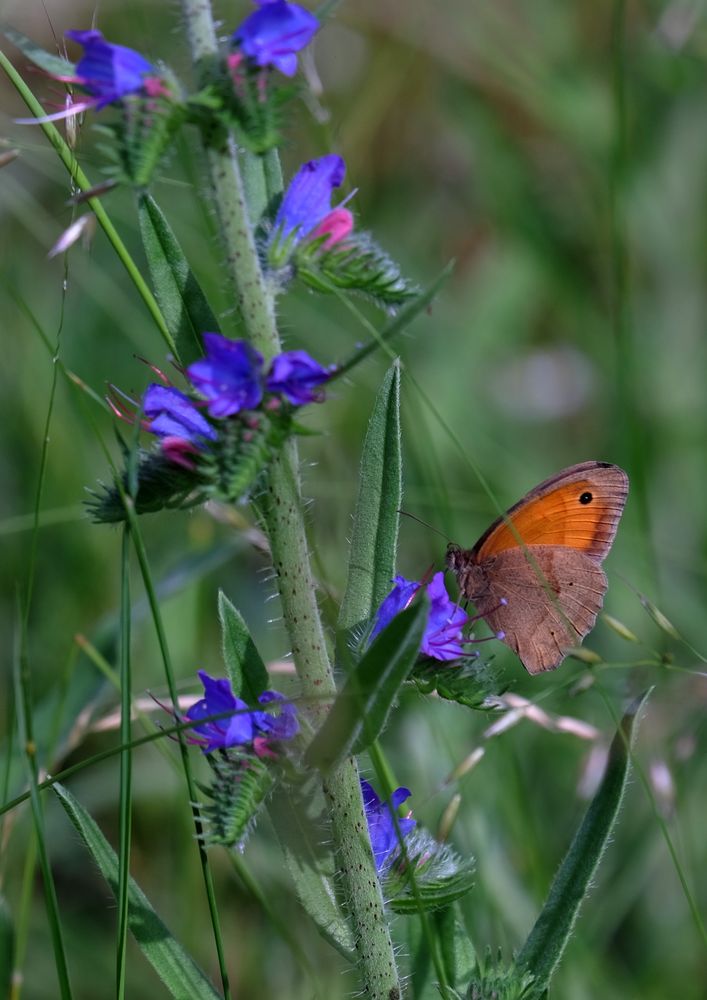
(384,827)
(230,376)
(273,34)
(296,375)
(307,201)
(443,638)
(109,72)
(245,727)
(172,414)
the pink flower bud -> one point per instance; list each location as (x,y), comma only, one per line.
(336,225)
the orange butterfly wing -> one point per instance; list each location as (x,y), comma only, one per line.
(579,508)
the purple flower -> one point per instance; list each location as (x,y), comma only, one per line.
(397,600)
(171,414)
(230,376)
(308,198)
(248,726)
(443,634)
(443,638)
(283,725)
(226,732)
(296,375)
(273,34)
(385,828)
(109,72)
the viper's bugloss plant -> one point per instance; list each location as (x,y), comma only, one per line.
(225,429)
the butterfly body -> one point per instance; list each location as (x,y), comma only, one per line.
(535,575)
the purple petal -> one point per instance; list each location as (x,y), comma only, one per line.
(271,35)
(397,600)
(109,72)
(308,198)
(230,376)
(283,726)
(385,828)
(296,375)
(220,698)
(172,414)
(443,639)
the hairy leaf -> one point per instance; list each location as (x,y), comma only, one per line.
(374,540)
(177,291)
(541,953)
(361,709)
(246,670)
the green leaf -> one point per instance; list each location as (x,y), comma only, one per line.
(543,950)
(298,818)
(54,65)
(175,967)
(246,670)
(7,948)
(455,952)
(356,263)
(469,683)
(435,894)
(238,789)
(177,291)
(374,540)
(361,709)
(161,484)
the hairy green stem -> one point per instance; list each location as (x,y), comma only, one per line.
(286,529)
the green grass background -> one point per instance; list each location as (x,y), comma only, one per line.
(559,153)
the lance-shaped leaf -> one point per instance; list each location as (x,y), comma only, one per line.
(175,967)
(298,818)
(246,671)
(374,540)
(361,709)
(51,64)
(543,950)
(177,291)
(455,952)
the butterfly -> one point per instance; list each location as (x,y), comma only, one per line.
(535,575)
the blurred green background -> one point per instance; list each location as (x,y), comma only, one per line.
(559,153)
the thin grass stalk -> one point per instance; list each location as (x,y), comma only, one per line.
(183,747)
(125,767)
(23,701)
(82,182)
(286,529)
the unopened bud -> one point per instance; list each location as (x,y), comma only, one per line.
(659,618)
(620,628)
(584,654)
(448,817)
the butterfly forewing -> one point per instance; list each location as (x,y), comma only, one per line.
(580,508)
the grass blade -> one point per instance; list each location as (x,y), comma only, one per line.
(175,967)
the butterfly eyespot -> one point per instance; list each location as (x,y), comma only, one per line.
(586,498)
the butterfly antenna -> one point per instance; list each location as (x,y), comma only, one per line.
(414,517)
